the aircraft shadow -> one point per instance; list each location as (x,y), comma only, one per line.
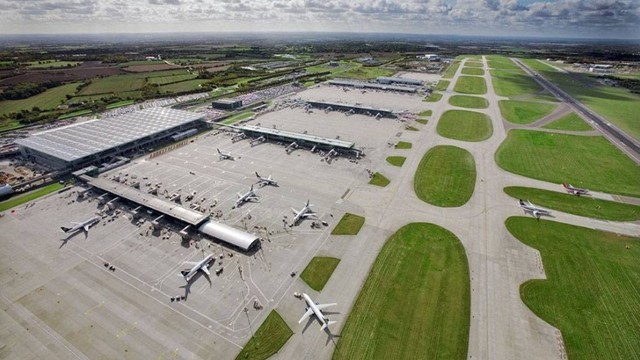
(66,239)
(187,286)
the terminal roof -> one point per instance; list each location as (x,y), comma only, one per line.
(298,136)
(76,141)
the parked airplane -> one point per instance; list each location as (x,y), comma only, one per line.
(248,196)
(225,156)
(195,266)
(316,310)
(528,207)
(302,214)
(266,181)
(84,226)
(574,190)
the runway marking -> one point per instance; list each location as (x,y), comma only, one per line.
(91,309)
(127,329)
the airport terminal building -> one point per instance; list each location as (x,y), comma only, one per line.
(92,142)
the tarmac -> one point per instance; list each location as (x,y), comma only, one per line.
(60,300)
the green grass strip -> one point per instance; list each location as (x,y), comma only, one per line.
(318,271)
(591,290)
(585,161)
(571,122)
(583,205)
(524,112)
(415,303)
(470,102)
(434,97)
(270,337)
(451,70)
(442,85)
(379,180)
(426,113)
(472,71)
(471,85)
(465,125)
(404,145)
(350,224)
(445,177)
(21,199)
(396,160)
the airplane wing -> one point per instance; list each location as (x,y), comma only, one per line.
(190,263)
(306,315)
(205,269)
(294,211)
(239,195)
(324,306)
(86,228)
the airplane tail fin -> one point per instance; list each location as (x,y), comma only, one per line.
(257,175)
(327,324)
(65,229)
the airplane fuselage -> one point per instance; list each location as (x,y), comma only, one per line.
(318,314)
(82,226)
(204,262)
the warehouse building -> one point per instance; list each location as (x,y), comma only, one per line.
(92,142)
(226,104)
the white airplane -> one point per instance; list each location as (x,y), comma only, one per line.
(224,156)
(528,207)
(266,181)
(574,190)
(195,266)
(84,226)
(248,196)
(304,213)
(316,310)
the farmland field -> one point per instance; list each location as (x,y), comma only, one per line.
(444,168)
(415,302)
(162,80)
(591,290)
(183,86)
(464,125)
(471,85)
(562,158)
(114,84)
(47,100)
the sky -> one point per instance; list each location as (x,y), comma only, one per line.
(616,19)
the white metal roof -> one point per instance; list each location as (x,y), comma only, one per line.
(80,140)
(228,234)
(298,136)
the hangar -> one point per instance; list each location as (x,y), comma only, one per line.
(91,142)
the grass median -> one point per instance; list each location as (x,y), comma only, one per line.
(465,125)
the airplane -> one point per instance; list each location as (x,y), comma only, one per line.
(84,226)
(574,190)
(248,196)
(195,266)
(224,156)
(266,181)
(302,214)
(316,310)
(528,207)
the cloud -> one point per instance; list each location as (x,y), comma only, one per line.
(509,17)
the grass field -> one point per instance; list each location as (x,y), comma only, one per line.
(182,86)
(426,113)
(465,125)
(585,161)
(114,84)
(446,176)
(318,271)
(21,199)
(396,160)
(120,104)
(366,72)
(268,339)
(422,121)
(509,80)
(75,113)
(350,224)
(403,145)
(434,97)
(451,70)
(47,100)
(571,122)
(501,62)
(617,104)
(379,180)
(473,64)
(415,302)
(239,117)
(442,85)
(472,71)
(524,112)
(591,291)
(162,80)
(471,85)
(471,102)
(583,205)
